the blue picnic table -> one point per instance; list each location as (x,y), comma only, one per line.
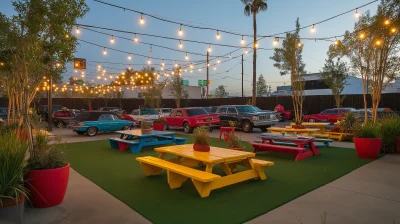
(136,140)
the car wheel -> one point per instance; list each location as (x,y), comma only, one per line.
(312,120)
(186,128)
(247,127)
(126,127)
(166,127)
(92,131)
(80,132)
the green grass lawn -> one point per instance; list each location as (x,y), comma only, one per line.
(121,175)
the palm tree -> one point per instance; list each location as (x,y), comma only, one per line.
(253,7)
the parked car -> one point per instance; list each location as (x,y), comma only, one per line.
(42,110)
(247,117)
(147,114)
(381,114)
(165,112)
(190,118)
(330,115)
(62,117)
(3,112)
(110,109)
(92,122)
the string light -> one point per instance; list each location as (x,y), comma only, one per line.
(218,61)
(199,69)
(209,48)
(357,14)
(256,44)
(336,42)
(242,41)
(112,40)
(148,61)
(104,52)
(76,71)
(141,19)
(378,43)
(393,30)
(246,51)
(66,35)
(77,31)
(218,36)
(162,63)
(362,36)
(180,31)
(299,44)
(180,44)
(313,28)
(187,57)
(387,22)
(176,64)
(215,68)
(230,56)
(129,57)
(191,65)
(136,39)
(276,41)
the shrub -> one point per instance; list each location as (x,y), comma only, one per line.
(160,120)
(233,141)
(144,125)
(366,130)
(232,124)
(201,136)
(348,122)
(13,151)
(45,155)
(389,131)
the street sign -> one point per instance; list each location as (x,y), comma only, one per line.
(185,82)
(203,82)
(79,63)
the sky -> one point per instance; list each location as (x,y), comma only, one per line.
(222,14)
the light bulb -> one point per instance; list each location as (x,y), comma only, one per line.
(218,61)
(256,45)
(276,41)
(104,52)
(162,68)
(76,71)
(218,36)
(357,14)
(180,31)
(77,31)
(393,30)
(215,68)
(136,39)
(387,22)
(246,51)
(209,48)
(129,57)
(299,44)
(378,42)
(180,44)
(67,35)
(242,41)
(313,28)
(141,20)
(336,42)
(162,63)
(148,61)
(187,57)
(176,65)
(199,69)
(362,36)
(112,40)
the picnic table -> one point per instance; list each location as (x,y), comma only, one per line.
(308,131)
(225,131)
(271,143)
(320,126)
(179,168)
(136,140)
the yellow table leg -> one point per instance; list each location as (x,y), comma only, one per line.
(175,180)
(204,189)
(150,170)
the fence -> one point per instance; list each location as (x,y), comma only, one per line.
(312,104)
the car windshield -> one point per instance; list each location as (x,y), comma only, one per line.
(196,111)
(148,111)
(208,109)
(257,109)
(246,109)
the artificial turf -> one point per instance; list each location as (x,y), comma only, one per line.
(121,175)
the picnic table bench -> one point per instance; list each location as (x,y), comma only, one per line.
(268,143)
(179,168)
(136,140)
(339,136)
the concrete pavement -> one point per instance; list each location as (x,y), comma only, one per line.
(370,194)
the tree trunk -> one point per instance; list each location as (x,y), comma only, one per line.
(254,58)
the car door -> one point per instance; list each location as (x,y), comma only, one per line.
(221,111)
(178,118)
(106,122)
(119,123)
(333,115)
(232,115)
(323,116)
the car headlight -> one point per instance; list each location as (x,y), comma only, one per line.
(272,117)
(255,118)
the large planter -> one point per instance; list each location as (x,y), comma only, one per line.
(158,126)
(201,148)
(47,187)
(12,212)
(368,148)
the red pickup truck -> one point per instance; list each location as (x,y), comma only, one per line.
(190,118)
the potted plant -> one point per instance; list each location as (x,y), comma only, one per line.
(389,131)
(234,142)
(145,127)
(159,124)
(47,178)
(347,123)
(201,139)
(297,124)
(366,140)
(13,151)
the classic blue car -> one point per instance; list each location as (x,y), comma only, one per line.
(92,122)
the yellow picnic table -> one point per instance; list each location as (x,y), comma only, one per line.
(320,126)
(309,131)
(178,169)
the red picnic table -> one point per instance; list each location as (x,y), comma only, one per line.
(225,131)
(302,152)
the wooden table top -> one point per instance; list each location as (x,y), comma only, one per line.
(293,130)
(312,124)
(138,132)
(215,155)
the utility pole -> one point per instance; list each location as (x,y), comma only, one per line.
(242,77)
(207,72)
(50,105)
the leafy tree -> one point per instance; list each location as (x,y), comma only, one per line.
(261,86)
(334,75)
(76,81)
(153,95)
(178,91)
(373,49)
(220,92)
(253,7)
(288,60)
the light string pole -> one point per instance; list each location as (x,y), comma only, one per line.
(207,65)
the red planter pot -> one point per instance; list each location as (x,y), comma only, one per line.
(158,126)
(47,187)
(201,148)
(368,148)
